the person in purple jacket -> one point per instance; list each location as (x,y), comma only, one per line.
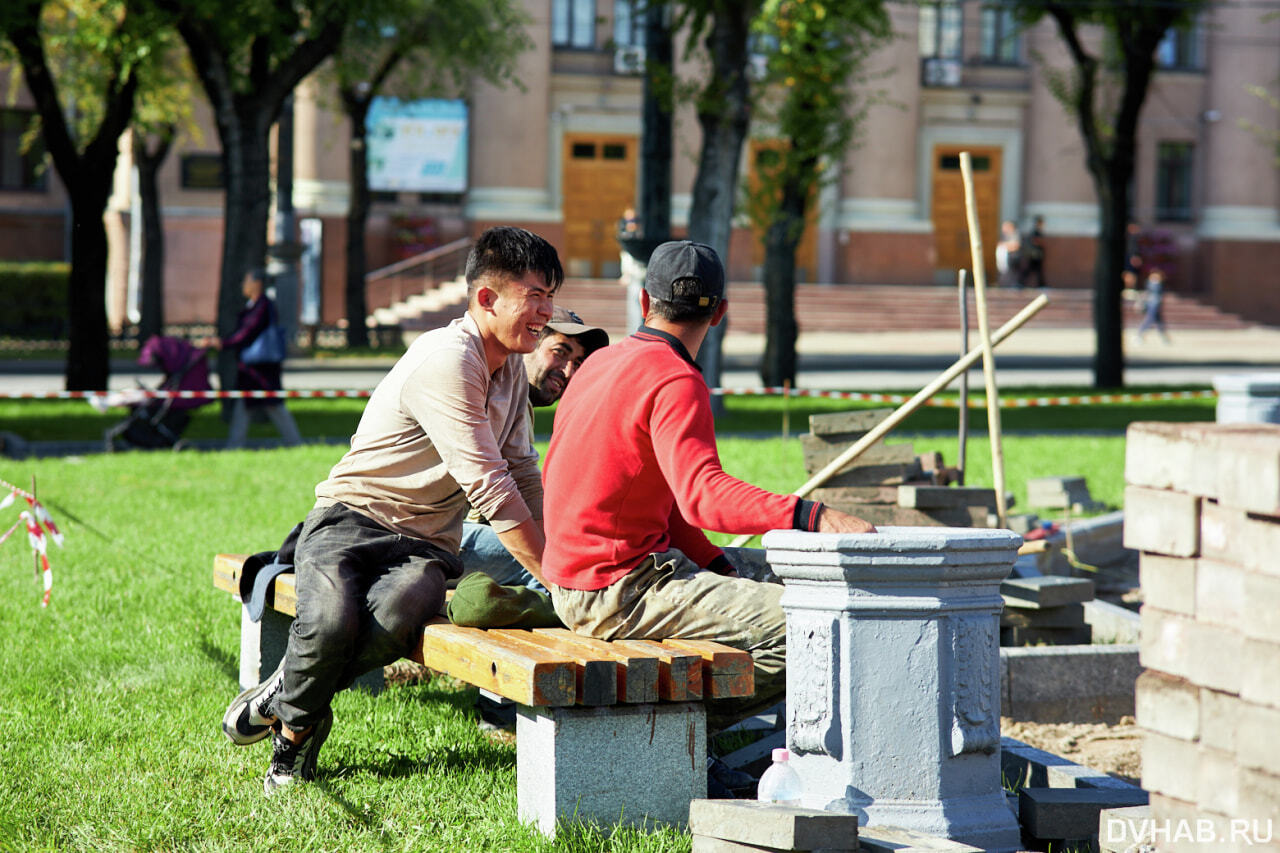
(255,319)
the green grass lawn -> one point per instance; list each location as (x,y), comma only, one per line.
(110,699)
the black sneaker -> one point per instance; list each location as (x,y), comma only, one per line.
(249,718)
(295,762)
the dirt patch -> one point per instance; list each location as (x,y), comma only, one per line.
(1112,749)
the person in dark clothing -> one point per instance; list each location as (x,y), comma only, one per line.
(1033,265)
(253,374)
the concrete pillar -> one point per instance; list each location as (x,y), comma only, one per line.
(632,764)
(893,682)
(263,644)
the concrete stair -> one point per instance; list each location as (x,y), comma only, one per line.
(842,308)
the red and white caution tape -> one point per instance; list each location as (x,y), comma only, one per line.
(897,399)
(38,523)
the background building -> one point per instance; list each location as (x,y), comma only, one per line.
(560,156)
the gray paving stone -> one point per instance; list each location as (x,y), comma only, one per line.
(773,826)
(1057,684)
(1057,813)
(1045,591)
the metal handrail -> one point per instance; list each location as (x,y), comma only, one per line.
(425,257)
(386,286)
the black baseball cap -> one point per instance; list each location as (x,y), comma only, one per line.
(567,322)
(695,263)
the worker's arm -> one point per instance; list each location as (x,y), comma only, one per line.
(525,542)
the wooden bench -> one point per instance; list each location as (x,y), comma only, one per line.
(596,719)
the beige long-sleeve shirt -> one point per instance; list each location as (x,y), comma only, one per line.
(439,433)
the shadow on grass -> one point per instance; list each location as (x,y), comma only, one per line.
(467,758)
(222,659)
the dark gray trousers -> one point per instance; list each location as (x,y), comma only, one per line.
(364,593)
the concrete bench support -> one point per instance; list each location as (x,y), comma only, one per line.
(893,676)
(622,763)
(262,645)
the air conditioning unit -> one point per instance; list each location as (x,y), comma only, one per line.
(937,71)
(628,59)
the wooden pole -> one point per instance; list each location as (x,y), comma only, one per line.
(988,357)
(963,437)
(941,381)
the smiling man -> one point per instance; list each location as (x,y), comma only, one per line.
(446,428)
(564,345)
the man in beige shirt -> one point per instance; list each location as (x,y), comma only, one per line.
(446,428)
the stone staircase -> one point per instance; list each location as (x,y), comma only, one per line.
(834,308)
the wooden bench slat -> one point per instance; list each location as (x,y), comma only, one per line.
(597,680)
(679,673)
(226,572)
(519,671)
(637,669)
(726,672)
(554,667)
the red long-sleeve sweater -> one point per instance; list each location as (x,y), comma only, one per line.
(633,468)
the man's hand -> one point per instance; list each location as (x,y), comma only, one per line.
(834,521)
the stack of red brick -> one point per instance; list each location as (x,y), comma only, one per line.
(1203,506)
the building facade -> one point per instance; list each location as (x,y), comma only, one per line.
(560,155)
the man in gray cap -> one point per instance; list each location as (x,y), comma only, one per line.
(563,345)
(633,478)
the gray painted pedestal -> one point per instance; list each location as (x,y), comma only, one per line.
(893,682)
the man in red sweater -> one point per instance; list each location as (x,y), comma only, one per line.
(635,477)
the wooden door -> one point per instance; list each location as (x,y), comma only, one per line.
(950,225)
(599,183)
(807,250)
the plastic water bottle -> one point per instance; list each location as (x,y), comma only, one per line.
(780,784)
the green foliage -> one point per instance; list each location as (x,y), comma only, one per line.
(814,107)
(34,295)
(424,48)
(1268,136)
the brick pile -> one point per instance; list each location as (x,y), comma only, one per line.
(1202,504)
(889,484)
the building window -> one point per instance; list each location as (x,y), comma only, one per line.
(202,172)
(628,23)
(1000,43)
(1173,181)
(940,25)
(573,23)
(1182,49)
(19,169)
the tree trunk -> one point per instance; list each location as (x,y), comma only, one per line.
(246,159)
(149,160)
(88,351)
(781,240)
(724,113)
(1108,317)
(357,306)
(87,175)
(656,139)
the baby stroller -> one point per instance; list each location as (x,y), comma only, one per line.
(160,422)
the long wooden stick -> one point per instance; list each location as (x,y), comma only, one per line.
(941,381)
(963,437)
(988,357)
